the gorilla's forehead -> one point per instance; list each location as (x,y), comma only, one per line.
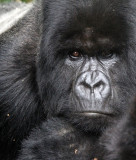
(90,41)
(105,19)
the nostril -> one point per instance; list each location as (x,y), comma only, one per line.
(98,84)
(86,85)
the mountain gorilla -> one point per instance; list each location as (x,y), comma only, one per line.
(71,64)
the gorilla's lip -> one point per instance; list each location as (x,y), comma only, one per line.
(94,114)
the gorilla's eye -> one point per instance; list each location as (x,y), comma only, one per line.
(105,55)
(75,55)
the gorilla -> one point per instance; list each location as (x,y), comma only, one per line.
(67,82)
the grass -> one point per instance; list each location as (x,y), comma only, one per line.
(15,0)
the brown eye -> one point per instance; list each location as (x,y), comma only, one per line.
(75,55)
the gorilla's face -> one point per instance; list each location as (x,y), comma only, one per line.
(84,71)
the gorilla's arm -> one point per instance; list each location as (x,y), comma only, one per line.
(119,142)
(19,100)
(57,140)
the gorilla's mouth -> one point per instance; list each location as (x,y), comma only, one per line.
(94,114)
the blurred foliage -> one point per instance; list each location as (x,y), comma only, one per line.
(15,0)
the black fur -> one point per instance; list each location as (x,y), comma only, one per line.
(20,105)
(119,141)
(36,82)
(57,139)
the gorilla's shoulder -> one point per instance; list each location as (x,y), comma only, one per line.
(120,139)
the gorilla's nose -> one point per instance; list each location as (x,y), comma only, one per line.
(93,87)
(94,81)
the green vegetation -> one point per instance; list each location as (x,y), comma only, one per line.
(15,0)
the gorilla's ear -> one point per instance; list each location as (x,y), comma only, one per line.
(11,14)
